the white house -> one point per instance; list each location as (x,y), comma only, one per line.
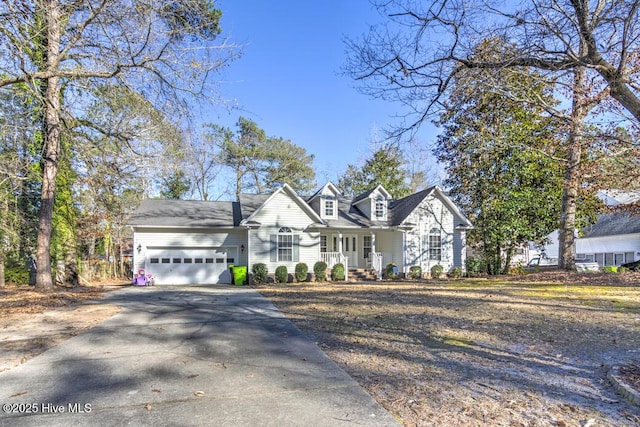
(613,240)
(193,242)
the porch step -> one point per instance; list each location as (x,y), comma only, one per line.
(362,274)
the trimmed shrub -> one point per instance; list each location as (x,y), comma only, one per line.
(391,271)
(610,269)
(415,272)
(456,273)
(320,271)
(622,269)
(337,273)
(436,271)
(282,275)
(260,272)
(301,272)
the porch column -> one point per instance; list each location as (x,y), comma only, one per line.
(248,250)
(340,242)
(373,242)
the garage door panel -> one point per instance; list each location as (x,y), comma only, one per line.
(182,266)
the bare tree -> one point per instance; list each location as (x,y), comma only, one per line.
(413,58)
(203,164)
(63,50)
(589,49)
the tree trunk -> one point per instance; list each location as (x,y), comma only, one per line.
(238,183)
(571,185)
(1,267)
(507,261)
(51,11)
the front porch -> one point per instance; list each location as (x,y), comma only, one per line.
(361,250)
(374,261)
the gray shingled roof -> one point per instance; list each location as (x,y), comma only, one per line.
(251,202)
(186,213)
(402,208)
(350,216)
(362,196)
(190,213)
(613,224)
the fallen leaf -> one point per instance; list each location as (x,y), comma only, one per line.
(155,390)
(199,393)
(148,406)
(192,376)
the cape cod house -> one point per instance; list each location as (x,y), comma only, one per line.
(193,242)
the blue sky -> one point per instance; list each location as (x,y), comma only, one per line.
(289,79)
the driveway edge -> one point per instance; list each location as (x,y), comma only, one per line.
(625,390)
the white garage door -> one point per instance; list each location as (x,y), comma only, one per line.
(184,266)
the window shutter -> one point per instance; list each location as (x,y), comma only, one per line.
(274,248)
(296,248)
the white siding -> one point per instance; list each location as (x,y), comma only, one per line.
(283,211)
(431,213)
(460,249)
(618,243)
(390,244)
(622,243)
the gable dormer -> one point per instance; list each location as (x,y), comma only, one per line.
(325,201)
(374,204)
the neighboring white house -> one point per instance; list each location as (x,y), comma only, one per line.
(193,242)
(613,240)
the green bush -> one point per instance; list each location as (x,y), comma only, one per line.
(436,271)
(16,276)
(474,266)
(320,271)
(260,272)
(610,269)
(301,272)
(622,269)
(282,275)
(337,273)
(391,271)
(415,272)
(456,273)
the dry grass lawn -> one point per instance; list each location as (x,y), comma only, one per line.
(529,351)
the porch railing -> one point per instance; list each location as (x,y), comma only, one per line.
(333,258)
(376,261)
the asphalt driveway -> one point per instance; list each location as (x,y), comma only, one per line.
(187,356)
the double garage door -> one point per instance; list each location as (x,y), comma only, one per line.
(185,266)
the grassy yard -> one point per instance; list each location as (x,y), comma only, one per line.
(521,351)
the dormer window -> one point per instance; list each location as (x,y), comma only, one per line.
(328,207)
(380,208)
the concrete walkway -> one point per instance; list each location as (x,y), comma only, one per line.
(187,356)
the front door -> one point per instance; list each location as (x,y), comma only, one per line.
(350,249)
